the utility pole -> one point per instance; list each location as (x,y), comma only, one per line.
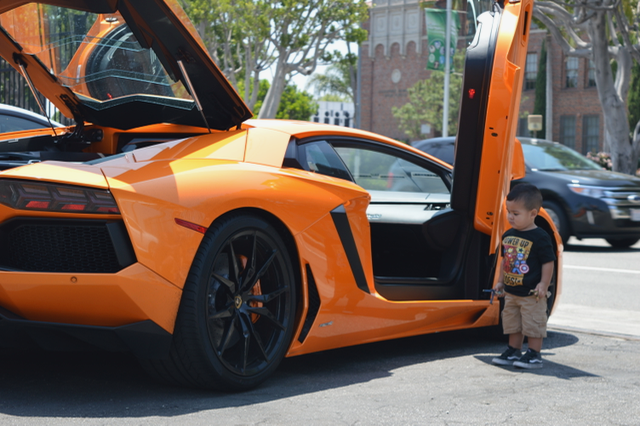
(447,73)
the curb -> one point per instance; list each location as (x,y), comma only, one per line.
(594,332)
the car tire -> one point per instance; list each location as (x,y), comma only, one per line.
(237,312)
(622,242)
(559,218)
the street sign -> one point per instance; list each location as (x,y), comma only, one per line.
(534,122)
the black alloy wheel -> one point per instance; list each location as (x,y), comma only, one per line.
(237,314)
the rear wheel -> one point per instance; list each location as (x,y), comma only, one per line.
(559,218)
(236,316)
(622,242)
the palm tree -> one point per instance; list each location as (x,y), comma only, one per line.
(339,79)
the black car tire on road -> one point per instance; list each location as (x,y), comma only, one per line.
(237,313)
(559,218)
(622,242)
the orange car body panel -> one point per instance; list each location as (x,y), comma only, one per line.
(60,172)
(350,316)
(156,185)
(500,128)
(152,194)
(134,294)
(153,189)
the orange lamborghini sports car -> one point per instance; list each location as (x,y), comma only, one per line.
(167,223)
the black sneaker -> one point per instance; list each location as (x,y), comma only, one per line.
(531,359)
(508,357)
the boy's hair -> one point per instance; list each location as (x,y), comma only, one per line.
(529,194)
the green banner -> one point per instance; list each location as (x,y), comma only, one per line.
(436,35)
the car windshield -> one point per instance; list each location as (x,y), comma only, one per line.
(95,55)
(551,157)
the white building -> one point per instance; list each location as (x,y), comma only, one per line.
(338,113)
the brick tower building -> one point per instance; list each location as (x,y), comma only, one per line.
(394,58)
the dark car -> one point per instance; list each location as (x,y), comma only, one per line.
(442,148)
(14,119)
(583,199)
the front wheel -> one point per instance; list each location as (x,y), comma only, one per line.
(559,218)
(236,317)
(622,242)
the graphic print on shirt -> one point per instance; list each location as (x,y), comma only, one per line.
(516,253)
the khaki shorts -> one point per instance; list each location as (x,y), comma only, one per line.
(525,315)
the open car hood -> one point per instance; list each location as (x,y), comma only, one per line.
(117,63)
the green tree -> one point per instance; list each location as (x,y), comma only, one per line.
(634,96)
(333,97)
(606,32)
(247,37)
(302,33)
(341,77)
(426,103)
(336,80)
(295,104)
(540,102)
(236,34)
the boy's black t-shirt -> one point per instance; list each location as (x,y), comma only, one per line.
(524,253)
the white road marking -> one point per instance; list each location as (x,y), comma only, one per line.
(592,268)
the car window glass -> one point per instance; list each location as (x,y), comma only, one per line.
(438,152)
(446,153)
(114,63)
(377,171)
(547,157)
(10,123)
(433,150)
(443,151)
(319,157)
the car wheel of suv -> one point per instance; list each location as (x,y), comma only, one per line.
(559,219)
(622,242)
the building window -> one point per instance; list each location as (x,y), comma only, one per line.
(531,71)
(591,74)
(590,134)
(568,130)
(571,69)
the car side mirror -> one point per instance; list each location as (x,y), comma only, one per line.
(518,169)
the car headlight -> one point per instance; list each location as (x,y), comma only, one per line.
(588,191)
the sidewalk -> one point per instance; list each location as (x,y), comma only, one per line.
(625,324)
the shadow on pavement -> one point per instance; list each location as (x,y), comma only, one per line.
(583,248)
(554,340)
(550,369)
(99,385)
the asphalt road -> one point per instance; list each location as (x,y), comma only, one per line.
(591,376)
(601,289)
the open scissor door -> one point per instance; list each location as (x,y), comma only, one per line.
(489,116)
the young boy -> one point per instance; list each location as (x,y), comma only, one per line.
(525,276)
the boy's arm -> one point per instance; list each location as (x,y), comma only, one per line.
(545,280)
